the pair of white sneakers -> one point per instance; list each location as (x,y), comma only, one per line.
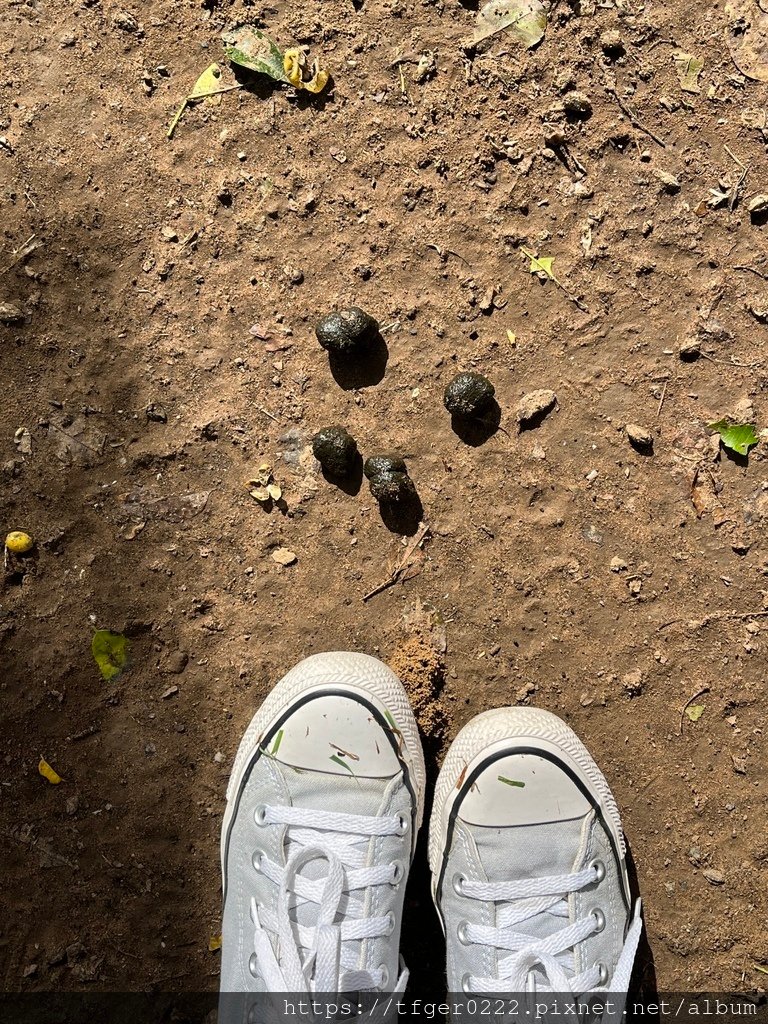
(324,804)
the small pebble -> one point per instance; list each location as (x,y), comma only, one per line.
(669,182)
(283,556)
(533,405)
(577,105)
(612,44)
(639,437)
(713,876)
(758,204)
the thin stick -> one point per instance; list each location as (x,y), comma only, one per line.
(713,617)
(634,119)
(21,253)
(704,689)
(403,564)
(661,400)
(752,271)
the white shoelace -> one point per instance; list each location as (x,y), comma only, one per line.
(317,958)
(554,955)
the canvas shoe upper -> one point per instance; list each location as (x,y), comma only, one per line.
(323,806)
(528,861)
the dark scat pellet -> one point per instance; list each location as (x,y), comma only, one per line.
(468,395)
(343,332)
(335,449)
(386,462)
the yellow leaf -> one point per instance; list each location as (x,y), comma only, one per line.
(260,493)
(299,75)
(541,265)
(110,652)
(19,543)
(511,337)
(214,943)
(274,491)
(206,83)
(694,711)
(48,773)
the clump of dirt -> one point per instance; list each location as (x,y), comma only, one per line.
(420,667)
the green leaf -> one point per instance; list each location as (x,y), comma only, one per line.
(688,70)
(249,47)
(110,652)
(738,437)
(525,19)
(694,711)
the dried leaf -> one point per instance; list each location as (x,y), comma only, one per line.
(738,437)
(110,652)
(274,491)
(525,19)
(688,70)
(511,338)
(48,773)
(694,711)
(747,38)
(301,74)
(214,943)
(260,494)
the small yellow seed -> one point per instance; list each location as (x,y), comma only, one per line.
(19,543)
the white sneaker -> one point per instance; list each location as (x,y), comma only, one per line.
(528,861)
(324,803)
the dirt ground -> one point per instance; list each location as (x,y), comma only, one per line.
(161,297)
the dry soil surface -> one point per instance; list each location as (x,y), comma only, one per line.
(157,346)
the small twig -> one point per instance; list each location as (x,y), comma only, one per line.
(24,250)
(403,564)
(634,119)
(737,185)
(661,400)
(704,689)
(267,413)
(713,617)
(446,252)
(752,271)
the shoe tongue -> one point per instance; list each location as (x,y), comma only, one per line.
(530,851)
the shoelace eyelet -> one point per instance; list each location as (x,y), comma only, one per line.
(260,814)
(384,977)
(402,826)
(458,883)
(256,859)
(465,983)
(603,979)
(390,923)
(461,933)
(397,872)
(599,917)
(599,868)
(253,965)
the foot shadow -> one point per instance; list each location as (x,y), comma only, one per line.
(362,369)
(643,981)
(474,431)
(351,482)
(422,940)
(403,517)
